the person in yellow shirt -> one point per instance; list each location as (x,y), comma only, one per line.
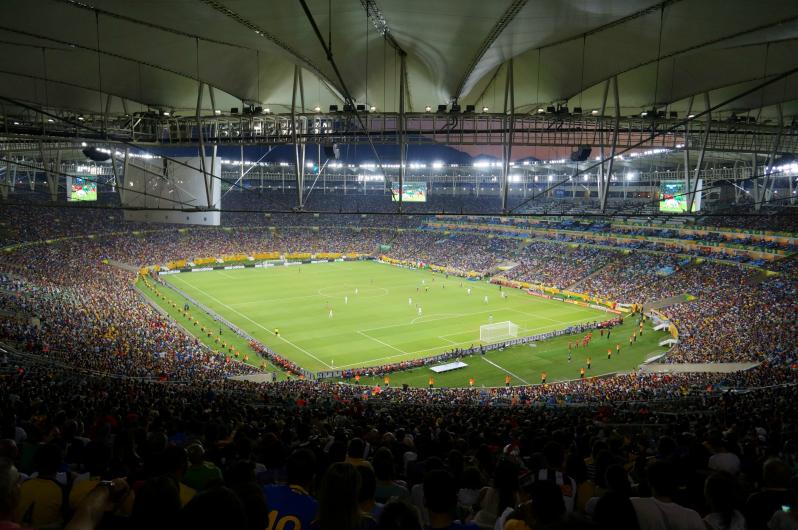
(41,501)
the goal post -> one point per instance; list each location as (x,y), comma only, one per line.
(498,331)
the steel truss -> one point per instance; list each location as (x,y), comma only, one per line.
(545,130)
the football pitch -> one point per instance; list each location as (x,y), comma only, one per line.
(334,316)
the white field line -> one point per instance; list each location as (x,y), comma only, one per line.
(443,316)
(505,371)
(256,323)
(447,340)
(383,343)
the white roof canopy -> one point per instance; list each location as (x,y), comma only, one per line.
(71,55)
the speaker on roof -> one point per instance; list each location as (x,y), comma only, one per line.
(92,153)
(581,154)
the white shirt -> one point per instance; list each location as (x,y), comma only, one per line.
(657,515)
(728,462)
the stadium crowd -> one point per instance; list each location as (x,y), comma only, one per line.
(150,433)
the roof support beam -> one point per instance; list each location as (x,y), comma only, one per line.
(764,193)
(693,190)
(616,127)
(8,182)
(601,176)
(509,118)
(402,138)
(299,146)
(208,180)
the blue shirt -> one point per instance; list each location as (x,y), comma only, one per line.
(290,506)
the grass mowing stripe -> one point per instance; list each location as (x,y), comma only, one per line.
(256,323)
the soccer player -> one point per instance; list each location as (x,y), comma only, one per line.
(485,300)
(276,332)
(419,310)
(431,382)
(387,381)
(409,301)
(589,362)
(630,341)
(490,318)
(330,315)
(356,291)
(569,355)
(582,373)
(609,353)
(543,376)
(468,291)
(346,300)
(618,348)
(471,382)
(507,380)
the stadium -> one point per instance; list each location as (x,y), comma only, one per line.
(390,264)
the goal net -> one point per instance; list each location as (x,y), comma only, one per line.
(498,331)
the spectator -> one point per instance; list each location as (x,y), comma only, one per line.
(440,499)
(660,512)
(338,501)
(200,473)
(42,499)
(721,497)
(387,487)
(398,515)
(774,493)
(292,500)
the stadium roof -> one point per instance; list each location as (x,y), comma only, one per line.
(70,54)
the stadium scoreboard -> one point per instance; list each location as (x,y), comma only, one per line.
(411,192)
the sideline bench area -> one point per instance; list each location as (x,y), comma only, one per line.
(448,367)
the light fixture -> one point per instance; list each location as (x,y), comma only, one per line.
(50,120)
(541,110)
(267,110)
(372,108)
(167,113)
(594,112)
(485,109)
(691,116)
(428,108)
(80,118)
(217,112)
(644,114)
(317,108)
(83,144)
(16,123)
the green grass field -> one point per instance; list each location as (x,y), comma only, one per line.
(375,322)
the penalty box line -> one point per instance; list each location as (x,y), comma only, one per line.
(256,323)
(404,353)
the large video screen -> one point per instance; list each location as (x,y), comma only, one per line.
(81,189)
(674,197)
(411,192)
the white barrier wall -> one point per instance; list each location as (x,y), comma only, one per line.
(160,191)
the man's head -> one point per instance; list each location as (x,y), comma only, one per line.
(196,453)
(9,488)
(8,449)
(440,492)
(300,468)
(356,448)
(661,479)
(776,474)
(554,454)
